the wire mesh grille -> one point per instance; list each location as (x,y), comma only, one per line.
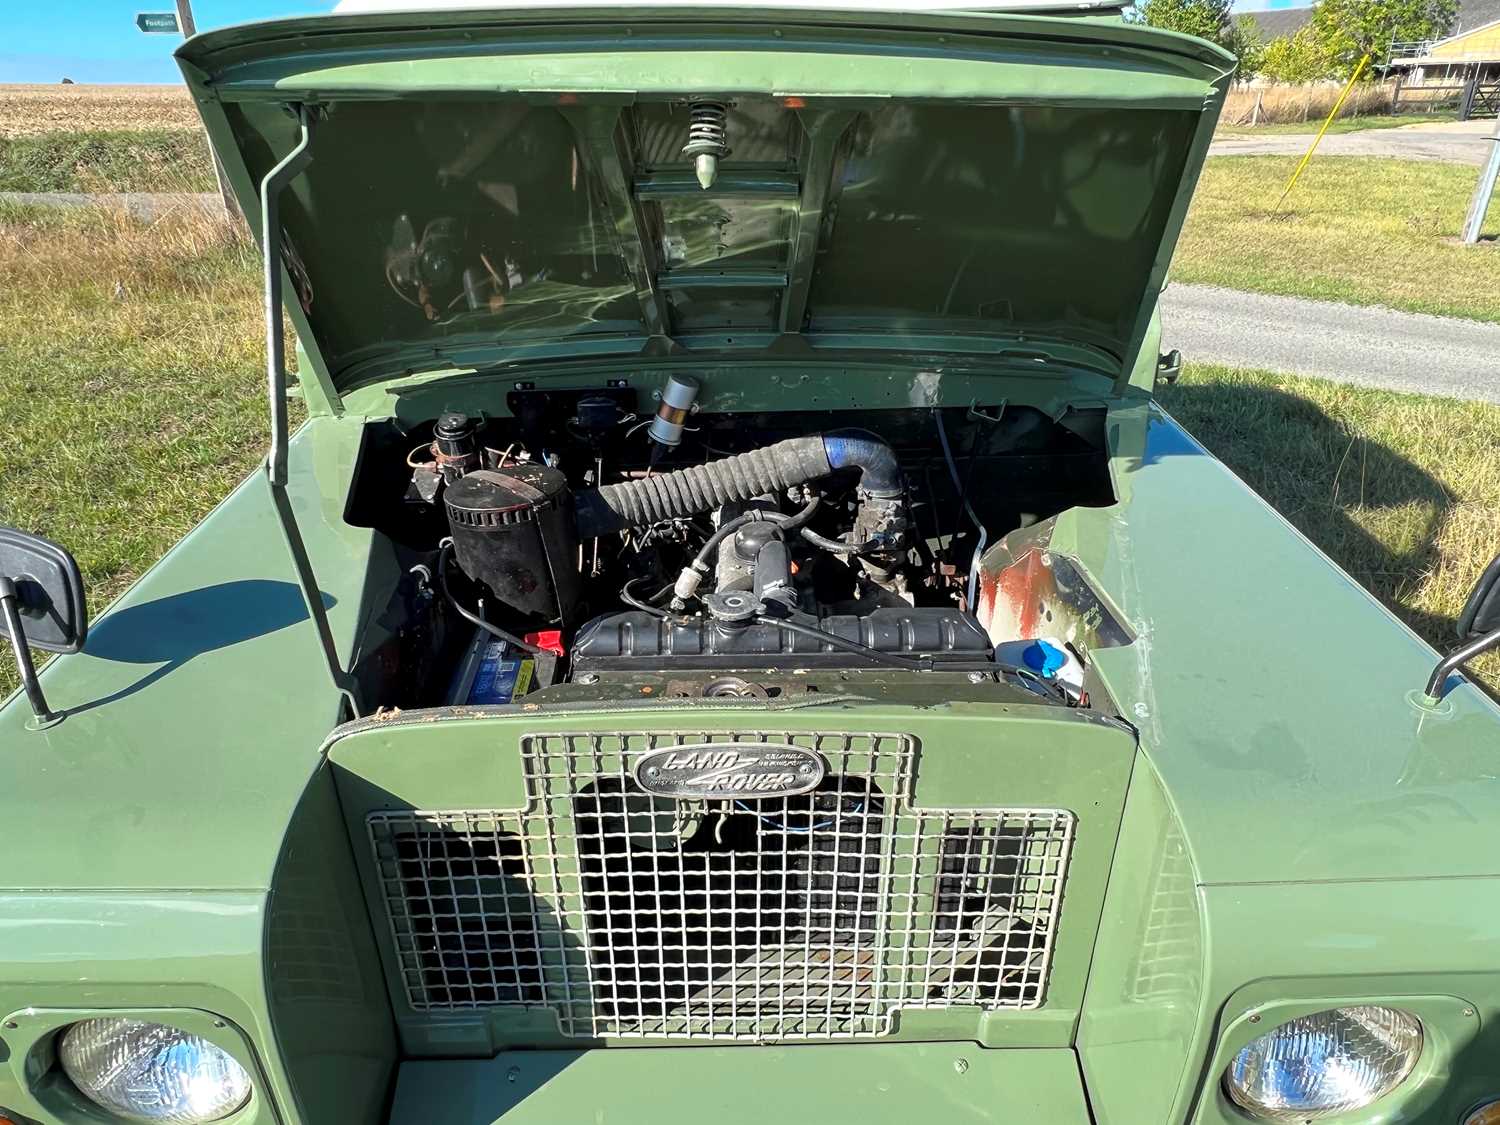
(811,916)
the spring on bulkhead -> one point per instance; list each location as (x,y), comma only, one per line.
(707,140)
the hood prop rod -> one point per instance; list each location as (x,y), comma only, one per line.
(275,180)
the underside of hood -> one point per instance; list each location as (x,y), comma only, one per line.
(502,186)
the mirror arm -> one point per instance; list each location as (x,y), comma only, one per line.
(1456,658)
(10,601)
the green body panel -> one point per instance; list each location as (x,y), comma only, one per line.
(969,756)
(957,1084)
(1427,945)
(325,992)
(1276,698)
(1145,994)
(1291,828)
(177,729)
(764,385)
(128,953)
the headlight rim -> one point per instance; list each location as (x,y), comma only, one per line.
(33,1034)
(81,1091)
(1254,1026)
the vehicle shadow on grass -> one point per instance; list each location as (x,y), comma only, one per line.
(1319,474)
(170,631)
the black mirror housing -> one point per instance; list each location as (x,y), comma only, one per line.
(49,592)
(1481,614)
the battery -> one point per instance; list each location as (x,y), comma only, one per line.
(491,672)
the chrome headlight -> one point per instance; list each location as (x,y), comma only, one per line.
(1325,1063)
(152,1072)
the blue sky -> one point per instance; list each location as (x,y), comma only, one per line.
(97,41)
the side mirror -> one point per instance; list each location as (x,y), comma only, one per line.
(41,606)
(1478,628)
(1481,614)
(1168,367)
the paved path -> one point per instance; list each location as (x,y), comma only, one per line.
(1369,346)
(1459,142)
(143,205)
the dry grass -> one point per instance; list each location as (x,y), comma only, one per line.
(1340,125)
(27,110)
(1355,229)
(130,381)
(1304,103)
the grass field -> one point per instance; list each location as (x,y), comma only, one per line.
(1355,229)
(130,381)
(156,160)
(130,376)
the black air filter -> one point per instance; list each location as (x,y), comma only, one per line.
(513,533)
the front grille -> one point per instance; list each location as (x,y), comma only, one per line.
(812,916)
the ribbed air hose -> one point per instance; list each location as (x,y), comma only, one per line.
(702,488)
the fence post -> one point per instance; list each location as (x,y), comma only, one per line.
(1255,113)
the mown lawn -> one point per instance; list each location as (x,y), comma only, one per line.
(119,160)
(1361,230)
(131,384)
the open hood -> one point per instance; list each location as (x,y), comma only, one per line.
(508,185)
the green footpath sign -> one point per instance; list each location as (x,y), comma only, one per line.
(162,23)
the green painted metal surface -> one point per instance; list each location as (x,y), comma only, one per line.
(1426,944)
(93,953)
(195,714)
(1293,831)
(1273,694)
(1144,1006)
(957,1084)
(325,993)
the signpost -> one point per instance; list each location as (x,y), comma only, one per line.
(1479,205)
(175,23)
(157,23)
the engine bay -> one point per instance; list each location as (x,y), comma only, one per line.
(581,546)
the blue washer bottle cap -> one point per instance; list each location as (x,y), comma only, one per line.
(1044,659)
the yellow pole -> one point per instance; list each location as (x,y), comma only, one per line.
(1334,112)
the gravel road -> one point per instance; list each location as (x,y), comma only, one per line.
(1458,142)
(1368,346)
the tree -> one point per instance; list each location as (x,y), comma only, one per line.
(1351,29)
(1296,58)
(1245,42)
(1207,19)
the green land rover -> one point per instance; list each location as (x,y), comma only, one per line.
(734,639)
